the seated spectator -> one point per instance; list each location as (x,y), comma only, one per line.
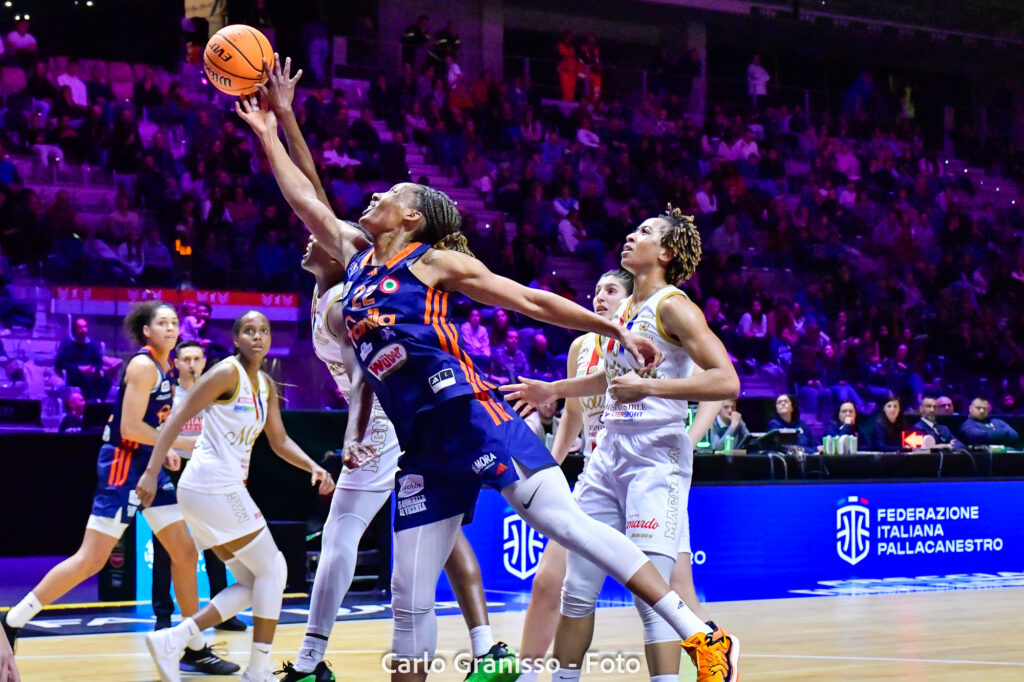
(475,339)
(122,220)
(159,266)
(131,252)
(983,429)
(544,421)
(22,44)
(541,362)
(787,416)
(81,360)
(70,78)
(728,423)
(935,434)
(885,431)
(74,417)
(349,192)
(508,363)
(846,424)
(726,237)
(944,405)
(565,203)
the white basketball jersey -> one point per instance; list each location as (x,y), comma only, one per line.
(646,322)
(588,361)
(220,460)
(325,345)
(378,472)
(193,426)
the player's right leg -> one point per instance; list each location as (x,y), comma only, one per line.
(351,512)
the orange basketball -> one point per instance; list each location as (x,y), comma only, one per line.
(233,59)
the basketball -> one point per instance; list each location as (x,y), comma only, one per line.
(233,59)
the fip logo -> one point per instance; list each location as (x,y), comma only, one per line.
(853,529)
(522,548)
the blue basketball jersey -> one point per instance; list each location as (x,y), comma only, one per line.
(159,407)
(406,346)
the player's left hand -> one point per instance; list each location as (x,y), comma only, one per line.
(172,462)
(256,112)
(146,488)
(320,475)
(628,388)
(354,454)
(281,84)
(642,349)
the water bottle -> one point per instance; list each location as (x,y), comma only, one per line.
(51,412)
(727,445)
(853,445)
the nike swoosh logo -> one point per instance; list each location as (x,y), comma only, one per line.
(526,505)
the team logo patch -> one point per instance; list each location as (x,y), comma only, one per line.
(387,360)
(442,380)
(364,350)
(521,547)
(409,485)
(388,285)
(165,386)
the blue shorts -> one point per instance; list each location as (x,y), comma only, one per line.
(456,448)
(117,473)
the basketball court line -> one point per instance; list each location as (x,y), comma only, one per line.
(363,652)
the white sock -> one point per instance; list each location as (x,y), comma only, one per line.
(665,678)
(529,677)
(24,611)
(482,640)
(196,641)
(185,632)
(679,616)
(563,674)
(259,659)
(312,651)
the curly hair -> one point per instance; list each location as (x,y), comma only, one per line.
(140,317)
(682,238)
(442,222)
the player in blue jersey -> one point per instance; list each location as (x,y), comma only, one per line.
(143,403)
(457,431)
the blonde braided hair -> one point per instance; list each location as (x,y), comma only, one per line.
(682,238)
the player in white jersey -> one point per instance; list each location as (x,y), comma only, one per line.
(366,485)
(239,403)
(638,477)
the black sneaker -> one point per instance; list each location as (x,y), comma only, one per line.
(497,665)
(321,673)
(9,632)
(206,661)
(232,625)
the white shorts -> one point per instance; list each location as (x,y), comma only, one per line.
(375,473)
(639,483)
(219,518)
(158,518)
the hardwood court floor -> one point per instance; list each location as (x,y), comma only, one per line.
(964,635)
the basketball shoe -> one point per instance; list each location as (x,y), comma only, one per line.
(11,633)
(321,673)
(205,661)
(167,647)
(497,665)
(715,654)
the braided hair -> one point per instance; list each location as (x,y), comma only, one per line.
(683,240)
(442,222)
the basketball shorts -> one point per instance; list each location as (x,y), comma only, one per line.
(638,481)
(218,518)
(455,449)
(114,502)
(376,473)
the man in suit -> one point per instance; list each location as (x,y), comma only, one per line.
(935,434)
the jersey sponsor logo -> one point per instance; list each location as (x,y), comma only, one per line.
(412,505)
(165,387)
(387,334)
(238,507)
(373,320)
(853,529)
(364,350)
(650,524)
(245,400)
(442,380)
(388,285)
(522,547)
(389,359)
(484,463)
(409,485)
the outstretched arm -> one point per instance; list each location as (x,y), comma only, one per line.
(280,94)
(339,238)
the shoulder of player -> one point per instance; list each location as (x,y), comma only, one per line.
(445,266)
(224,377)
(141,368)
(676,312)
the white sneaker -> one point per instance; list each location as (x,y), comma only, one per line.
(166,651)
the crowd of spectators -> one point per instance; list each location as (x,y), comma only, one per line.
(840,256)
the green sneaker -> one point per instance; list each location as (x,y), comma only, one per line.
(497,665)
(321,673)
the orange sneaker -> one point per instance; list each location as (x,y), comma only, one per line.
(716,655)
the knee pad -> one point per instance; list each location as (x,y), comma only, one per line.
(270,572)
(243,575)
(282,570)
(576,606)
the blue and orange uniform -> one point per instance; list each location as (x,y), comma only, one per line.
(122,462)
(456,430)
